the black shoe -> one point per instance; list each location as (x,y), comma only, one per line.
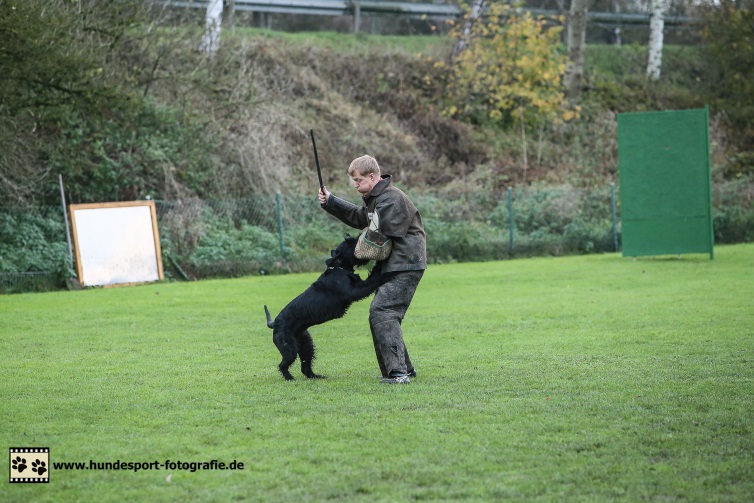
(412,373)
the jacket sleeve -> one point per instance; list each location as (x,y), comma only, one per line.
(347,212)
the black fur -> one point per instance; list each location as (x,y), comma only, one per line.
(326,299)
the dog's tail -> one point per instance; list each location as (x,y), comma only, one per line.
(270,324)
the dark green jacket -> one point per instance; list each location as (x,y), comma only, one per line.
(399,220)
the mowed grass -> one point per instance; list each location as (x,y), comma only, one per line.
(590,378)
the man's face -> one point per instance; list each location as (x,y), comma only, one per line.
(364,183)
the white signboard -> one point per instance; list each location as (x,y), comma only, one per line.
(116,243)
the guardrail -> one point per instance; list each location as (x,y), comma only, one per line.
(335,7)
(409,9)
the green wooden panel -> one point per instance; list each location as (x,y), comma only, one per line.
(663,158)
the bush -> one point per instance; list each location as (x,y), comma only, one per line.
(463,241)
(230,249)
(733,214)
(33,250)
(33,242)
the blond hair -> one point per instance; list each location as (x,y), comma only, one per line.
(364,165)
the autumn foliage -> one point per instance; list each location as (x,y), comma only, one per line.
(511,69)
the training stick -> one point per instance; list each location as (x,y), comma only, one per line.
(316,160)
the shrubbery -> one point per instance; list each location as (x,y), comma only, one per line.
(32,242)
(733,211)
(33,250)
(242,237)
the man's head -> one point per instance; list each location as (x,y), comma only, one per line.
(365,173)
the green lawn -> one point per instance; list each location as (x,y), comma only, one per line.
(590,378)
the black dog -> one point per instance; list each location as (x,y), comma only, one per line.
(326,299)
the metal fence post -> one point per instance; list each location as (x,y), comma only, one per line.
(67,227)
(511,247)
(280,225)
(614,229)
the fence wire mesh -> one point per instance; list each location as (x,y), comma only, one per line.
(19,282)
(279,234)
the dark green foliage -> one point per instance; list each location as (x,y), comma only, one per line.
(132,151)
(32,241)
(75,84)
(471,241)
(230,250)
(546,221)
(45,63)
(33,250)
(733,215)
(728,56)
(60,56)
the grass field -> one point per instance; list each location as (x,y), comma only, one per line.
(590,378)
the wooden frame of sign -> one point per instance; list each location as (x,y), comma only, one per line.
(116,243)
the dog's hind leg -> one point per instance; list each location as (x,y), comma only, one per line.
(288,350)
(306,353)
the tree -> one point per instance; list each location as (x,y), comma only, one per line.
(52,53)
(729,62)
(463,37)
(510,71)
(72,102)
(214,20)
(576,44)
(656,28)
(230,18)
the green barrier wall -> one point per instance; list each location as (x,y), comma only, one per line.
(665,186)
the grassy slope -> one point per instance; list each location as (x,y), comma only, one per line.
(371,93)
(587,378)
(340,42)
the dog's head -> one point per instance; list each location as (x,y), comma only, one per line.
(344,255)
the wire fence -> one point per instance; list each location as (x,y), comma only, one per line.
(289,233)
(21,282)
(281,234)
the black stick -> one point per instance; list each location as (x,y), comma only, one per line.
(316,160)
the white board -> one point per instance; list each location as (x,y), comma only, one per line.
(116,243)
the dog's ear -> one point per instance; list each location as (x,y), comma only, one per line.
(334,256)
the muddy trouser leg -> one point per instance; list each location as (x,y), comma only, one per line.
(381,362)
(386,313)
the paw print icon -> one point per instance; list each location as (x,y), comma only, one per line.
(39,467)
(29,464)
(19,464)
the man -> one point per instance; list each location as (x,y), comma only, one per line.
(402,270)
